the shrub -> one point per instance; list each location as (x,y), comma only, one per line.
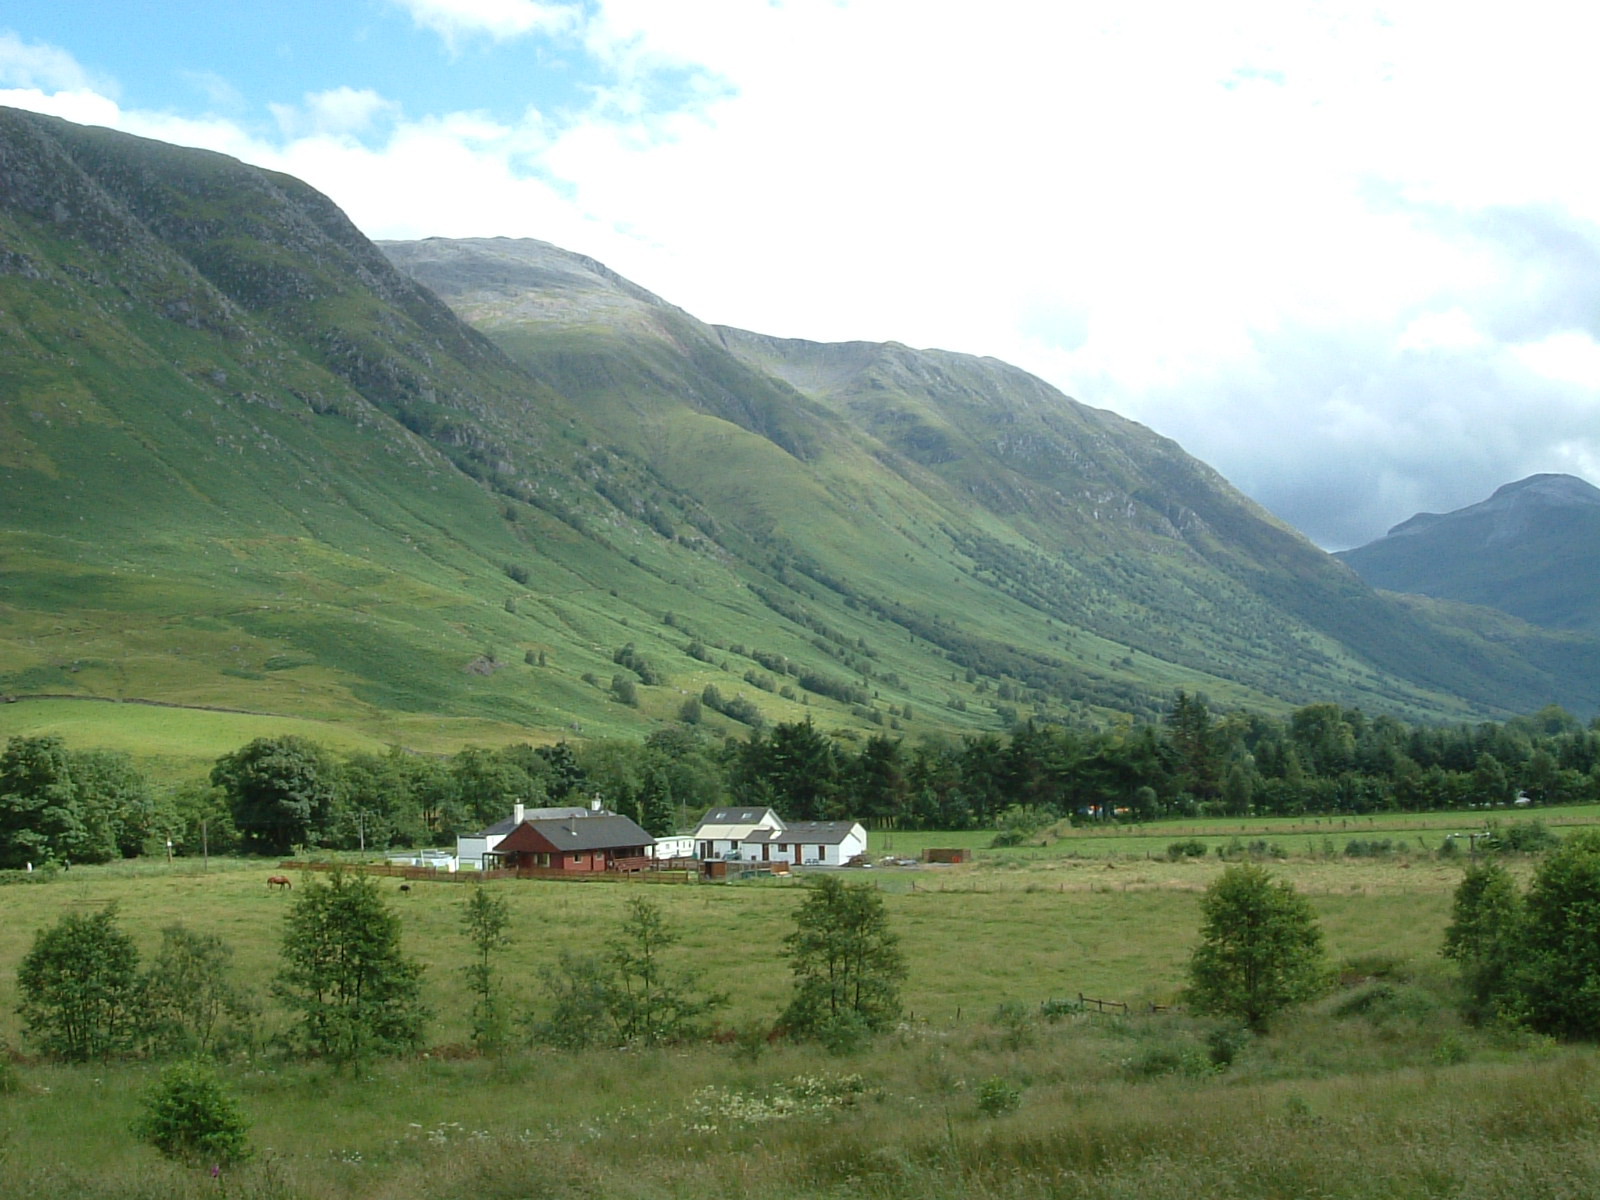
(188,1116)
(998,1096)
(1526,837)
(1193,848)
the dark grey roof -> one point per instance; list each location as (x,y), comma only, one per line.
(589,831)
(501,828)
(811,833)
(735,816)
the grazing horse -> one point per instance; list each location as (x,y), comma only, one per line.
(279,881)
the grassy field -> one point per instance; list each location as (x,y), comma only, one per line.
(1378,1090)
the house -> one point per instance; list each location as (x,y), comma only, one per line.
(587,843)
(722,831)
(471,848)
(760,835)
(807,843)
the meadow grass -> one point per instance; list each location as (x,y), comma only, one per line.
(1377,1090)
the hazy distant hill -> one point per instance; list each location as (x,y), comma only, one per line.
(246,463)
(1532,550)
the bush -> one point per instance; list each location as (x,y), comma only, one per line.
(188,1116)
(998,1096)
(1193,848)
(1369,848)
(1526,837)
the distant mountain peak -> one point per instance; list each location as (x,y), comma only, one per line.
(1531,549)
(1512,502)
(1548,489)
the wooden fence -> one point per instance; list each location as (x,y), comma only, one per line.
(408,872)
(1090,1004)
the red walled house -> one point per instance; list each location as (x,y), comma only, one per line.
(575,845)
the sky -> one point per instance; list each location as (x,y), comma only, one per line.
(1348,254)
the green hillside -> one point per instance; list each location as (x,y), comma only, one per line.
(247,465)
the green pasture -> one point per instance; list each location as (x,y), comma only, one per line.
(1413,834)
(974,936)
(1377,1091)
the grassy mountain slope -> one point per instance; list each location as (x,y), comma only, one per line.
(246,464)
(1532,550)
(1061,542)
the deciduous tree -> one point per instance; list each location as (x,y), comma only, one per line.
(343,971)
(80,987)
(1556,976)
(1260,948)
(486,916)
(279,789)
(846,963)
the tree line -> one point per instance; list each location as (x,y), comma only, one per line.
(59,805)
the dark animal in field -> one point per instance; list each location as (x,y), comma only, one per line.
(279,881)
(406,888)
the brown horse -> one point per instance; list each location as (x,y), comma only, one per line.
(279,881)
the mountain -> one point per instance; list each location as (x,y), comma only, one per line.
(972,481)
(1532,549)
(247,463)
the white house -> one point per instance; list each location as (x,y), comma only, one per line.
(722,831)
(807,843)
(471,848)
(760,835)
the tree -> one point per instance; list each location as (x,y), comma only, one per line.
(343,971)
(189,1116)
(628,996)
(1555,980)
(846,963)
(120,815)
(188,995)
(652,1005)
(1483,935)
(1260,948)
(80,987)
(279,789)
(486,917)
(40,818)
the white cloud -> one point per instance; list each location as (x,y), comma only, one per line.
(499,19)
(34,66)
(1349,257)
(1565,358)
(339,111)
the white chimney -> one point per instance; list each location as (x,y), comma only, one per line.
(594,805)
(516,813)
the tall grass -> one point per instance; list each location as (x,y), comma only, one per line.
(1302,1112)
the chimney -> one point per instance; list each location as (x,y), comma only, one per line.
(516,813)
(594,805)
